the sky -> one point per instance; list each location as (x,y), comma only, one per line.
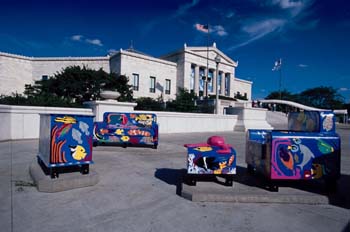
(311,37)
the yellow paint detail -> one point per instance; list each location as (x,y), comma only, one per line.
(125,138)
(66,120)
(79,152)
(119,131)
(203,149)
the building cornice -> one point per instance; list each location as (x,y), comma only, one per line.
(192,50)
(150,58)
(93,58)
(245,81)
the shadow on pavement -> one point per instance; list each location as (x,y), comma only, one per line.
(340,198)
(347,228)
(171,177)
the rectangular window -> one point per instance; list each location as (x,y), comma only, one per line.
(44,77)
(167,86)
(135,82)
(152,88)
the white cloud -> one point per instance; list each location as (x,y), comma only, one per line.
(185,7)
(219,30)
(343,89)
(111,51)
(80,38)
(293,7)
(76,37)
(255,30)
(96,42)
(230,14)
(263,27)
(303,65)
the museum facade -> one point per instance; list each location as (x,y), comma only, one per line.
(196,69)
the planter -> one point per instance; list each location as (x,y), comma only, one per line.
(109,95)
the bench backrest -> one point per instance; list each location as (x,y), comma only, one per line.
(130,119)
(312,121)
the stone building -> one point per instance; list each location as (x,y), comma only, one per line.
(193,68)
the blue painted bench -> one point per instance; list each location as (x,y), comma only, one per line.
(309,149)
(127,129)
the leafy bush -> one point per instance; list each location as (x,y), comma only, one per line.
(147,103)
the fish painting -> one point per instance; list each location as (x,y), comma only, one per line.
(307,155)
(66,120)
(286,157)
(78,152)
(63,130)
(324,147)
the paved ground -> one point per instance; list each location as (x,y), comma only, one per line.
(137,191)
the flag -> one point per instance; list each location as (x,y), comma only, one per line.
(278,65)
(202,28)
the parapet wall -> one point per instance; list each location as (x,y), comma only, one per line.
(23,122)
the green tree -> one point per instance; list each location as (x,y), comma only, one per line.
(185,101)
(322,97)
(285,95)
(319,97)
(77,84)
(147,103)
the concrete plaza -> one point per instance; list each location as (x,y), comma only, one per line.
(139,190)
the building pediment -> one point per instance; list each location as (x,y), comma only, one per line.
(211,53)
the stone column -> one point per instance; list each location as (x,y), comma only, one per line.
(206,72)
(196,80)
(222,84)
(214,82)
(232,83)
(228,83)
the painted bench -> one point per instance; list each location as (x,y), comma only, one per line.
(127,129)
(309,149)
(214,157)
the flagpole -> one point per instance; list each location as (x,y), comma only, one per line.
(207,76)
(280,69)
(280,83)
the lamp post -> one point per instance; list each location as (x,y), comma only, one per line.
(217,61)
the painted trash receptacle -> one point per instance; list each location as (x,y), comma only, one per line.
(65,143)
(309,149)
(214,157)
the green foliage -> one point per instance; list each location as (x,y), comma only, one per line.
(319,97)
(147,103)
(184,102)
(322,97)
(71,87)
(41,100)
(285,95)
(240,96)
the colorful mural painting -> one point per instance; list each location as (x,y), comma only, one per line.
(65,140)
(296,154)
(127,129)
(214,157)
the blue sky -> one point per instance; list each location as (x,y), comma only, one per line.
(312,37)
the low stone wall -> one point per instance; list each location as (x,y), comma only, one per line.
(173,122)
(23,122)
(249,118)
